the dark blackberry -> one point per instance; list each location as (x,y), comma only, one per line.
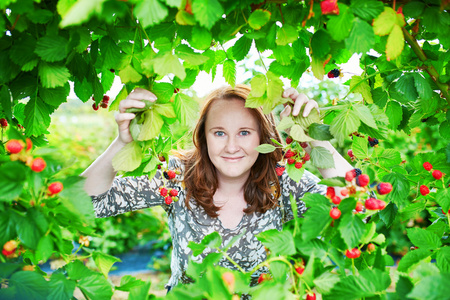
(358,171)
(336,72)
(166,176)
(373,142)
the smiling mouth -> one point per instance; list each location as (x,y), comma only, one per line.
(232,159)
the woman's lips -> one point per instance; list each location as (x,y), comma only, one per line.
(233,159)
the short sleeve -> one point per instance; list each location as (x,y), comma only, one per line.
(308,184)
(132,193)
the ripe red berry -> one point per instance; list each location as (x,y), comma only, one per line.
(353,253)
(298,165)
(14,146)
(229,279)
(105,99)
(55,187)
(330,74)
(29,144)
(344,192)
(336,200)
(384,188)
(104,105)
(6,253)
(359,207)
(38,164)
(424,190)
(381,204)
(362,180)
(95,106)
(163,192)
(173,192)
(350,175)
(263,277)
(289,154)
(300,270)
(168,200)
(279,171)
(371,247)
(291,161)
(331,192)
(289,140)
(350,153)
(329,7)
(437,174)
(371,204)
(306,157)
(171,174)
(311,296)
(10,246)
(304,145)
(335,213)
(427,166)
(176,90)
(3,122)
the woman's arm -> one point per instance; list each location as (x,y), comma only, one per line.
(100,174)
(341,166)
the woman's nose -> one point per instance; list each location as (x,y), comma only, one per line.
(232,145)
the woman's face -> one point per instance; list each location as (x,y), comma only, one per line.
(232,134)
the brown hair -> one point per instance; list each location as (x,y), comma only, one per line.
(262,188)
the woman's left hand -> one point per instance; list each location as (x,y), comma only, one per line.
(299,101)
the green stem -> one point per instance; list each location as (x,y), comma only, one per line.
(262,62)
(232,261)
(427,66)
(353,267)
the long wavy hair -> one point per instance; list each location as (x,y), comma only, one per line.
(262,188)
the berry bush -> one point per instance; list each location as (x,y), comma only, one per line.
(394,123)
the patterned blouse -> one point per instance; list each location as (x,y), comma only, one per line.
(133,193)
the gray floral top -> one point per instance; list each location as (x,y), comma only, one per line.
(133,193)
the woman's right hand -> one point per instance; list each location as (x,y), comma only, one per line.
(123,119)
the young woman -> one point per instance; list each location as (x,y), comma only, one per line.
(224,185)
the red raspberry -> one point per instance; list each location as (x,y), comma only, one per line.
(280,170)
(29,144)
(54,188)
(381,204)
(384,188)
(3,122)
(350,153)
(291,161)
(304,145)
(362,180)
(6,253)
(371,247)
(289,154)
(95,106)
(311,296)
(371,204)
(329,7)
(306,157)
(10,246)
(38,164)
(336,200)
(335,213)
(14,146)
(163,192)
(105,99)
(359,207)
(168,200)
(424,190)
(173,192)
(427,166)
(298,165)
(330,192)
(350,175)
(299,270)
(171,174)
(353,253)
(437,174)
(263,277)
(104,105)
(176,90)
(344,192)
(289,140)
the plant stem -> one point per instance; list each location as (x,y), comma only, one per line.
(232,261)
(260,58)
(353,267)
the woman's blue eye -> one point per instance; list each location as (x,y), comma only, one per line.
(245,132)
(219,133)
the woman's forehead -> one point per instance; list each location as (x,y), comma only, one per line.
(230,111)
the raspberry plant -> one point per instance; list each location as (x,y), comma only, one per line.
(162,46)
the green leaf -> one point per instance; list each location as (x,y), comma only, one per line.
(28,232)
(395,43)
(53,75)
(385,22)
(285,123)
(320,132)
(128,158)
(140,292)
(286,35)
(335,181)
(411,259)
(294,173)
(61,288)
(44,249)
(423,239)
(165,109)
(406,86)
(283,54)
(259,85)
(443,259)
(127,282)
(241,48)
(28,285)
(22,51)
(76,200)
(346,122)
(387,157)
(186,53)
(207,12)
(56,96)
(433,287)
(360,148)
(443,198)
(95,286)
(388,214)
(320,46)
(104,262)
(395,114)
(367,9)
(152,125)
(422,86)
(186,109)
(201,38)
(322,158)
(361,38)
(37,117)
(52,48)
(265,148)
(78,12)
(150,12)
(317,67)
(229,72)
(413,9)
(259,18)
(361,86)
(352,229)
(325,282)
(169,63)
(298,134)
(317,217)
(84,89)
(163,91)
(340,26)
(110,53)
(400,188)
(212,240)
(279,242)
(129,74)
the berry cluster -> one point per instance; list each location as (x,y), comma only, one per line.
(9,249)
(372,141)
(169,195)
(103,104)
(20,151)
(3,123)
(424,190)
(335,73)
(293,155)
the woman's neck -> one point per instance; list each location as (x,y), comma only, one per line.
(231,186)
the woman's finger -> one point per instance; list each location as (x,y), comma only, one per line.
(129,103)
(309,106)
(286,112)
(141,94)
(299,101)
(290,93)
